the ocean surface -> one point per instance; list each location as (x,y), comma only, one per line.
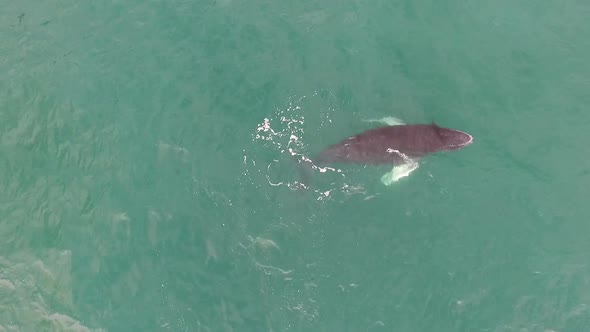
(148,182)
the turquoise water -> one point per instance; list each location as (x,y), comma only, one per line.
(146,181)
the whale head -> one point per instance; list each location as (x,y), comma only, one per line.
(452,139)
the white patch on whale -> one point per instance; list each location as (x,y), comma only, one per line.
(400,171)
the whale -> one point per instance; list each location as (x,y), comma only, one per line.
(397,144)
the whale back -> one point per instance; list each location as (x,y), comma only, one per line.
(391,144)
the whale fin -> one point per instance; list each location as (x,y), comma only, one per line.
(398,172)
(388,120)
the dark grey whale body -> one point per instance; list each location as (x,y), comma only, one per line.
(392,144)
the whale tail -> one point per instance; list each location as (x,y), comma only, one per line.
(305,168)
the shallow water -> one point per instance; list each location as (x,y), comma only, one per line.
(147,183)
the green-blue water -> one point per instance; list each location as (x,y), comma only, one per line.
(146,182)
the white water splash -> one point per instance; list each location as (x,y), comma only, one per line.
(285,134)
